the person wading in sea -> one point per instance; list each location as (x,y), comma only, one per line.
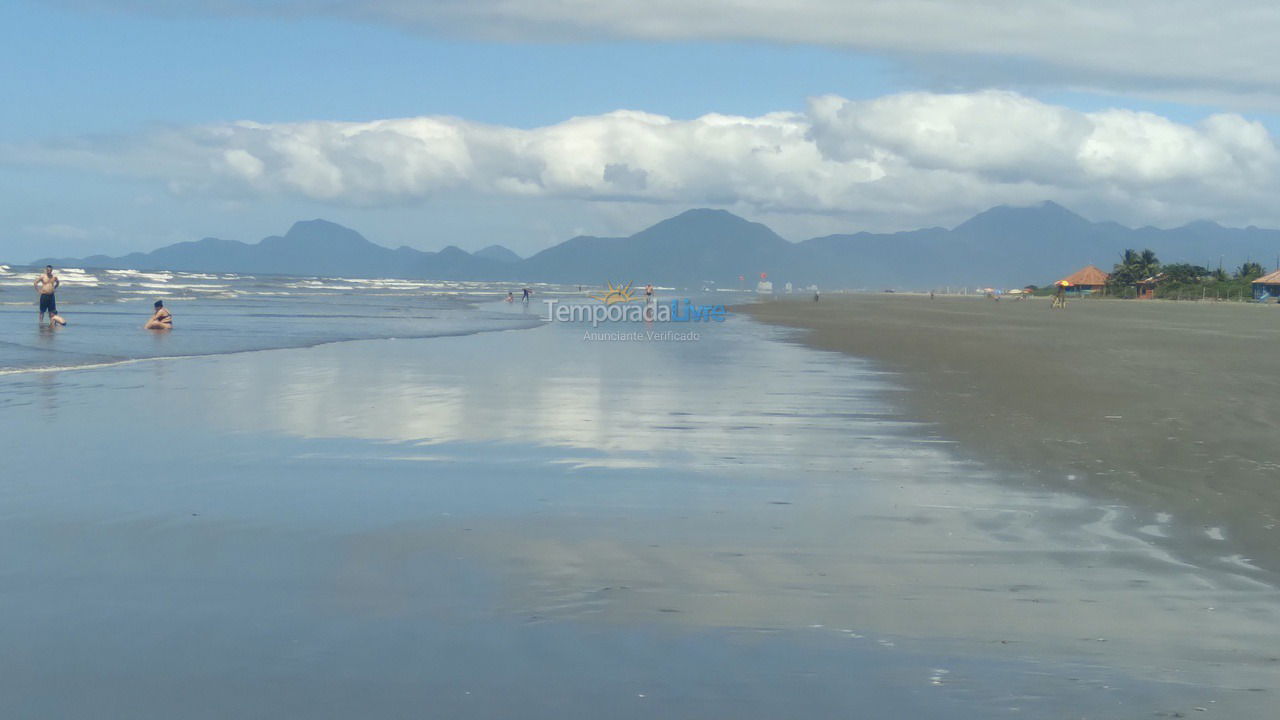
(46,283)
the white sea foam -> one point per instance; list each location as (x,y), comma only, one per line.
(77,277)
(159,276)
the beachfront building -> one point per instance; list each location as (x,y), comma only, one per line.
(1087,279)
(1267,287)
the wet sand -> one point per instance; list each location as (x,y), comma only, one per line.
(1172,407)
(526,524)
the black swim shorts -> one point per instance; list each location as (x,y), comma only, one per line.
(47,304)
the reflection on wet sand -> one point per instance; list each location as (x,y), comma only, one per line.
(760,485)
(745,404)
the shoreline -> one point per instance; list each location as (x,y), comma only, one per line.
(1164,407)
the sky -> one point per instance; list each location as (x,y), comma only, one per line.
(132,124)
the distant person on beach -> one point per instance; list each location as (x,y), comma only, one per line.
(648,294)
(162,319)
(511,296)
(525,298)
(1059,297)
(46,283)
(816,295)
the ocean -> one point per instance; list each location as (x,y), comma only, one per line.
(225,313)
(338,498)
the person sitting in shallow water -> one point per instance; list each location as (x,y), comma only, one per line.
(161,320)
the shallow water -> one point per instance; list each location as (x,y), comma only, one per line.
(217,314)
(527,524)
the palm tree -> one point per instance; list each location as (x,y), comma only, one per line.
(1250,271)
(1135,266)
(1129,259)
(1122,273)
(1149,263)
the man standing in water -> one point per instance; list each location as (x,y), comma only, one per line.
(46,283)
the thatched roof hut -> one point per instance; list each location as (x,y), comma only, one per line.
(1086,278)
(1267,286)
(1269,279)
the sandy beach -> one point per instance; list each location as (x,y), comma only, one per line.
(1164,406)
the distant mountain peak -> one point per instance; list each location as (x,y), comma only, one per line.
(708,212)
(708,222)
(324,231)
(1055,207)
(707,215)
(1018,218)
(499,253)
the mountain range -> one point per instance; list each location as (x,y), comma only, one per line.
(1004,246)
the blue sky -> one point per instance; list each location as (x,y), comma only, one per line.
(89,71)
(114,110)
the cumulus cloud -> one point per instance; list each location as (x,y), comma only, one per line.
(1223,48)
(915,156)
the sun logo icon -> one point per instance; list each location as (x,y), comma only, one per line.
(613,295)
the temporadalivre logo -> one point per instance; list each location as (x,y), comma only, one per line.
(621,304)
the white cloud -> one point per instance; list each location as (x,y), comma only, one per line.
(916,157)
(1195,49)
